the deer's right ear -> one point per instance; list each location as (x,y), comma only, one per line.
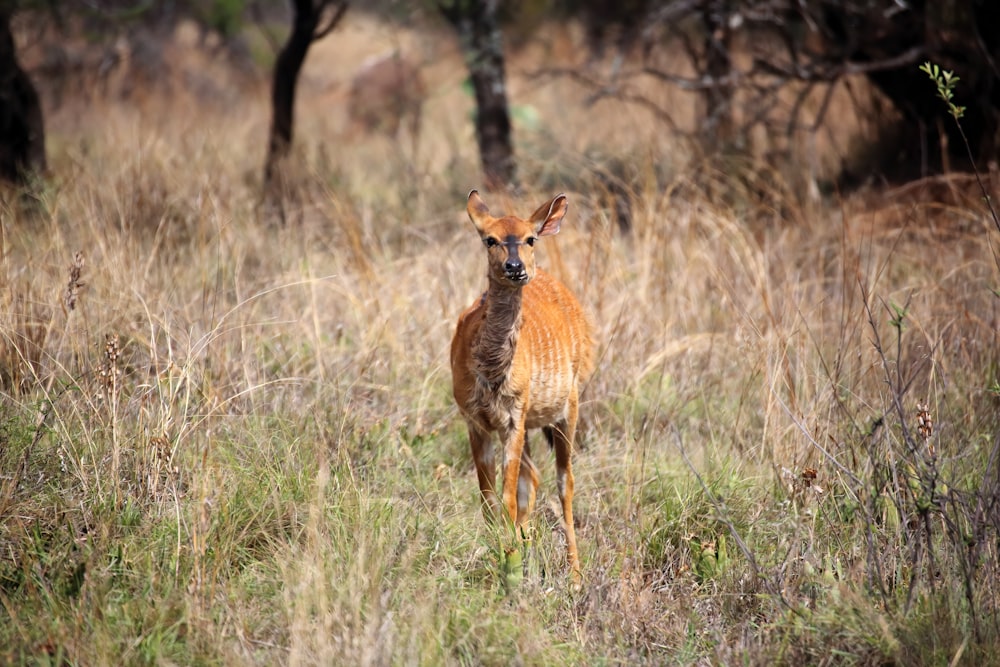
(479,213)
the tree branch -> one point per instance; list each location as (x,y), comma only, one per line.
(338,14)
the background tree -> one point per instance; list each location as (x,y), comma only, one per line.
(886,40)
(482,44)
(22,130)
(312,20)
(22,127)
(796,48)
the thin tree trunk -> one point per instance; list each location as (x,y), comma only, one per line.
(286,76)
(718,96)
(482,44)
(22,128)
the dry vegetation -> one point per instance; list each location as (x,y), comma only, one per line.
(224,441)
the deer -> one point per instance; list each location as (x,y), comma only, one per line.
(519,356)
(387,92)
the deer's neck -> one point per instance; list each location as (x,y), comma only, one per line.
(494,353)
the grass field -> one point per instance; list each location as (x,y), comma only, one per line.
(228,441)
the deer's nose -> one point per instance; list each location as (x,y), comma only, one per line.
(513,265)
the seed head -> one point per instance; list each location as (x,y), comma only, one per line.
(925,426)
(74,285)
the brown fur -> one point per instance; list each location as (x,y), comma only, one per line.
(387,93)
(518,359)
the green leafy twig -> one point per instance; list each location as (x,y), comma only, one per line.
(945,80)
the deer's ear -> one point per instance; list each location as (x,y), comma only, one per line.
(548,218)
(478,212)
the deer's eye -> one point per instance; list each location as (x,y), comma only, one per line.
(490,242)
(530,240)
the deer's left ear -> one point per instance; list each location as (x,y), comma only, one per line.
(548,218)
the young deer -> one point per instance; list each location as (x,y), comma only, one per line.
(518,358)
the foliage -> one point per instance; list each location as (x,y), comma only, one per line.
(224,16)
(945,82)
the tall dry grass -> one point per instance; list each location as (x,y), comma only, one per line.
(228,441)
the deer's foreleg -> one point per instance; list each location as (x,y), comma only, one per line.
(527,484)
(486,471)
(512,439)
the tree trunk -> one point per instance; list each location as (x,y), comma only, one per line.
(22,129)
(718,96)
(286,76)
(482,43)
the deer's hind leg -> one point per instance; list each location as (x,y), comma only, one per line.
(563,434)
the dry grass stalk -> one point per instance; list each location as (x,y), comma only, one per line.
(24,330)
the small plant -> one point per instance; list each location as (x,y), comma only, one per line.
(898,316)
(945,81)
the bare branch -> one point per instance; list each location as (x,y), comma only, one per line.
(822,72)
(335,17)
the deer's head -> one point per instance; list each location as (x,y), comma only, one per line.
(510,241)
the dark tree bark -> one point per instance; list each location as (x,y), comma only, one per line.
(22,130)
(307,27)
(718,65)
(482,44)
